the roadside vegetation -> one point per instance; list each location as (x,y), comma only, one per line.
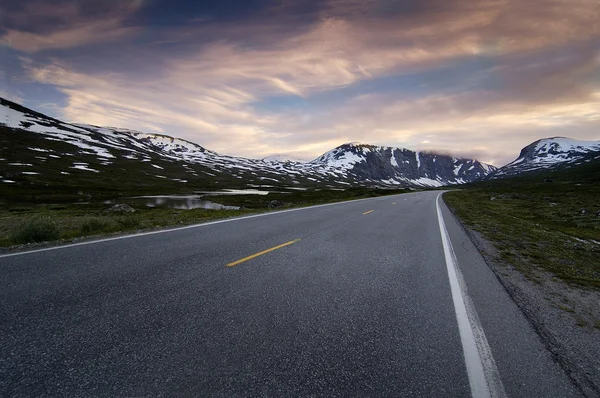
(39,222)
(543,221)
(302,197)
(36,229)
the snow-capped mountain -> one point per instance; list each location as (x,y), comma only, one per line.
(282,159)
(390,165)
(99,148)
(36,149)
(549,153)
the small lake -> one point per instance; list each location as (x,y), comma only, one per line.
(198,200)
(181,202)
(237,192)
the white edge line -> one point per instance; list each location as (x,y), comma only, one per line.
(162,231)
(484,378)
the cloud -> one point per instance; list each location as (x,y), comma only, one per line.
(530,73)
(36,26)
(528,100)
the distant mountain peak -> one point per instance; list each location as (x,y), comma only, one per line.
(400,165)
(547,153)
(355,143)
(282,158)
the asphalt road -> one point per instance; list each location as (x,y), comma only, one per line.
(351,299)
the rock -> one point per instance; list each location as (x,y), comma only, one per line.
(492,198)
(583,211)
(121,208)
(274,204)
(548,180)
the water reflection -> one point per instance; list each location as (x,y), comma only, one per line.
(172,202)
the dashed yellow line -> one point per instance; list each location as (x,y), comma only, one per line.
(393,203)
(262,252)
(367,212)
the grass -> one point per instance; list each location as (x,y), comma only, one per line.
(302,198)
(75,221)
(97,224)
(537,225)
(580,321)
(566,308)
(31,223)
(36,229)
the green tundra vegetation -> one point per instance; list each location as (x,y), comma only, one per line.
(22,223)
(540,221)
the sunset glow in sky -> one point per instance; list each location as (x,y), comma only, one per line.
(254,78)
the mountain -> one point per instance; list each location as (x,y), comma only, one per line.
(549,153)
(282,159)
(41,154)
(397,166)
(35,148)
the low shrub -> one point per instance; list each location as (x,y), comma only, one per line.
(129,222)
(19,209)
(36,229)
(96,224)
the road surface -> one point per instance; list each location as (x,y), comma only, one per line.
(361,298)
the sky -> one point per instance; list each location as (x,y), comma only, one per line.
(471,78)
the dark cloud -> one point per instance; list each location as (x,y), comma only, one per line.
(38,26)
(50,16)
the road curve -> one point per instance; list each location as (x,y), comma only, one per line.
(351,299)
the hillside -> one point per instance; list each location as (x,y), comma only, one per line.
(44,157)
(398,165)
(548,154)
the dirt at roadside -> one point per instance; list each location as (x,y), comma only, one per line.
(566,317)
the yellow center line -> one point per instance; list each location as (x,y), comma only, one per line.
(262,252)
(393,203)
(367,212)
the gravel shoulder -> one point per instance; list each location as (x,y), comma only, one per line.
(565,316)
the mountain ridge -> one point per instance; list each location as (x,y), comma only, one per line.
(370,165)
(385,163)
(549,153)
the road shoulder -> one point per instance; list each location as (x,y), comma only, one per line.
(526,365)
(543,302)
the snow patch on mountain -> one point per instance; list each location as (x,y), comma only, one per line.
(343,157)
(549,153)
(282,159)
